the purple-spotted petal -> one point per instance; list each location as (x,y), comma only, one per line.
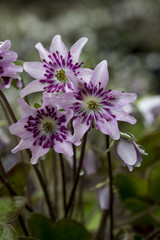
(35,69)
(110,128)
(58,45)
(42,52)
(19,130)
(37,152)
(8,58)
(80,128)
(76,49)
(34,86)
(100,74)
(85,74)
(64,147)
(23,144)
(121,115)
(121,99)
(126,152)
(27,110)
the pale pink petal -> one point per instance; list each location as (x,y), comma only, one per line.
(103,197)
(85,74)
(27,110)
(23,144)
(64,147)
(42,52)
(122,98)
(121,115)
(75,80)
(37,152)
(34,86)
(4,46)
(35,69)
(109,127)
(90,162)
(76,49)
(80,128)
(58,45)
(100,74)
(8,58)
(126,152)
(19,130)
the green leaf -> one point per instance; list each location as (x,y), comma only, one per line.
(16,177)
(11,208)
(7,232)
(130,186)
(150,142)
(36,105)
(154,180)
(43,228)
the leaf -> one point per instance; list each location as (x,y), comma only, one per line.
(131,186)
(7,232)
(11,208)
(154,180)
(36,105)
(43,228)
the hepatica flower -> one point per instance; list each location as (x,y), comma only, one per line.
(52,73)
(42,129)
(95,106)
(8,70)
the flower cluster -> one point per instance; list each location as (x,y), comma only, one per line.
(8,70)
(70,92)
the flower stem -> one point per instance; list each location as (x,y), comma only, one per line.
(110,189)
(63,182)
(40,178)
(8,107)
(71,199)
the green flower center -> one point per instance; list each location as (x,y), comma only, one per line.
(92,104)
(61,76)
(47,127)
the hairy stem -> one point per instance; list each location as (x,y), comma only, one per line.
(71,199)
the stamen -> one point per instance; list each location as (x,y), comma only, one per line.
(47,127)
(92,104)
(61,76)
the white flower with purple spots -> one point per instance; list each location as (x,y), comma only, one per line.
(52,73)
(8,70)
(42,129)
(95,106)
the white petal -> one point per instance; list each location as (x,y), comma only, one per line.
(103,197)
(37,152)
(34,86)
(126,152)
(85,74)
(100,74)
(58,45)
(121,115)
(122,99)
(110,128)
(35,69)
(64,147)
(19,130)
(23,144)
(80,128)
(76,49)
(42,52)
(27,110)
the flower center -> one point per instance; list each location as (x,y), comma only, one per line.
(61,76)
(47,127)
(92,104)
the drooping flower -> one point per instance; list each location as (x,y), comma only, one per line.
(8,70)
(129,152)
(52,73)
(95,106)
(43,128)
